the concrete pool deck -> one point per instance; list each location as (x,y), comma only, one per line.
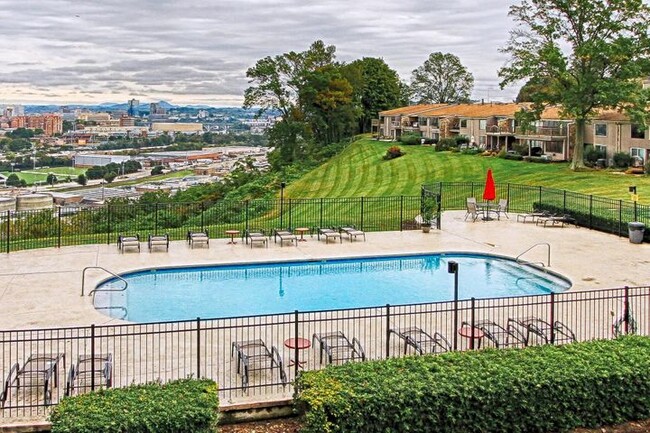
(42,288)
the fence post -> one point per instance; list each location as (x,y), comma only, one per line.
(552,317)
(540,196)
(636,216)
(508,193)
(202,216)
(92,357)
(247,206)
(620,218)
(626,310)
(296,364)
(289,213)
(361,213)
(8,229)
(472,321)
(155,219)
(198,347)
(591,211)
(58,242)
(387,331)
(564,201)
(401,212)
(320,223)
(108,218)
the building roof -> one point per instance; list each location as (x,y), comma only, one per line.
(411,109)
(475,110)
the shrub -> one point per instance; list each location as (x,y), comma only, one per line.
(410,138)
(471,151)
(185,405)
(393,152)
(646,168)
(592,155)
(622,160)
(157,170)
(514,156)
(538,159)
(446,144)
(537,389)
(461,139)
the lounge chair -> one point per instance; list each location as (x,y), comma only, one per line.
(338,347)
(498,335)
(125,241)
(472,211)
(556,220)
(198,238)
(88,373)
(537,330)
(533,216)
(329,233)
(254,355)
(256,236)
(352,232)
(158,241)
(502,208)
(284,235)
(421,341)
(39,371)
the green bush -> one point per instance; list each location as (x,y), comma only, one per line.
(513,156)
(592,155)
(446,144)
(622,160)
(410,138)
(185,405)
(537,159)
(537,389)
(393,152)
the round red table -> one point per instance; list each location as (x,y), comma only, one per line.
(300,344)
(466,331)
(302,231)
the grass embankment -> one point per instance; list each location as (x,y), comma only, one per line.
(360,171)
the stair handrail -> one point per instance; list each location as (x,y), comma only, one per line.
(548,255)
(83,280)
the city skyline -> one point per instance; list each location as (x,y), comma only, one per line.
(66,52)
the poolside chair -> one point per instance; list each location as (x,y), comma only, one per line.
(284,235)
(198,238)
(254,355)
(533,216)
(472,211)
(338,347)
(39,371)
(538,331)
(158,241)
(90,372)
(498,335)
(502,208)
(352,232)
(329,233)
(421,341)
(556,220)
(255,236)
(125,241)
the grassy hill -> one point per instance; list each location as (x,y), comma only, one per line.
(360,171)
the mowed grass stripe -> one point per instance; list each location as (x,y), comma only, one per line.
(360,171)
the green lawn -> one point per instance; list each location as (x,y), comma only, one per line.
(361,171)
(40,174)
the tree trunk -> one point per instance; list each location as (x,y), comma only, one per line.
(578,161)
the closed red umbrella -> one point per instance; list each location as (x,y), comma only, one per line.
(490,191)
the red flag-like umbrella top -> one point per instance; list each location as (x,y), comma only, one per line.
(490,191)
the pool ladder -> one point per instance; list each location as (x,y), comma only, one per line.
(548,255)
(92,292)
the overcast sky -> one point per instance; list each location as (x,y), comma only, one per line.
(197,52)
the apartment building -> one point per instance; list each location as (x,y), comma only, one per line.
(493,126)
(51,124)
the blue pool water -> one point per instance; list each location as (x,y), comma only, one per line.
(245,290)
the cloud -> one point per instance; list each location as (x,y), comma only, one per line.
(193,52)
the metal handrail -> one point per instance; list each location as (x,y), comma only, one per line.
(548,256)
(83,280)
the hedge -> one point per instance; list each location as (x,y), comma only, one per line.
(536,389)
(185,405)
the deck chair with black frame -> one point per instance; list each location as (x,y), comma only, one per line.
(254,355)
(154,241)
(499,336)
(128,241)
(285,235)
(338,348)
(329,233)
(90,372)
(198,238)
(537,330)
(352,232)
(255,236)
(421,341)
(39,371)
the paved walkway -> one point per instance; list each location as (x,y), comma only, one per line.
(42,288)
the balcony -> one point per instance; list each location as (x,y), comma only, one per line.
(500,130)
(542,132)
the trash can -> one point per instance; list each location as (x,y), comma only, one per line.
(636,230)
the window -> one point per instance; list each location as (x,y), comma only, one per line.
(434,122)
(482,139)
(637,152)
(554,147)
(638,132)
(600,129)
(482,124)
(423,121)
(463,123)
(602,149)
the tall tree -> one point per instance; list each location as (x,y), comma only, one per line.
(590,53)
(376,87)
(441,79)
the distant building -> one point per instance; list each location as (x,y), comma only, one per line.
(186,128)
(89,159)
(51,124)
(156,109)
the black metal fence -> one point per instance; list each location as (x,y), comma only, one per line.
(597,213)
(137,353)
(78,226)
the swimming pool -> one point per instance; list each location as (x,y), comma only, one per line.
(246,290)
